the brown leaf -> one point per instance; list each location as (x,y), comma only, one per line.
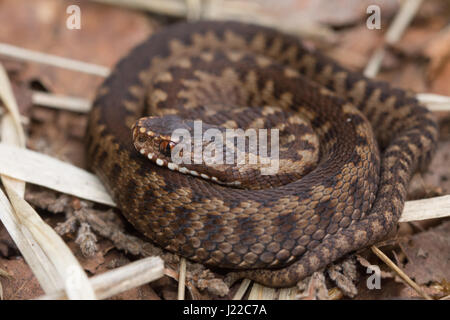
(428,255)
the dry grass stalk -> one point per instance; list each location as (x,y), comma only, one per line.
(46,253)
(121,279)
(34,256)
(10,51)
(182,279)
(435,102)
(40,169)
(402,275)
(61,102)
(75,280)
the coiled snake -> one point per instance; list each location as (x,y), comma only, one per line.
(351,197)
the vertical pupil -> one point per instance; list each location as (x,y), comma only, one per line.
(165,148)
(168,149)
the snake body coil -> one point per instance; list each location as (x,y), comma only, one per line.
(352,197)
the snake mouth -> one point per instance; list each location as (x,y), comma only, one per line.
(175,167)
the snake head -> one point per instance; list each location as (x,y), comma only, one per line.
(157,139)
(152,137)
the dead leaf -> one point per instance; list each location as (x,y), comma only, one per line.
(428,255)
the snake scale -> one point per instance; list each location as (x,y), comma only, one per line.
(372,139)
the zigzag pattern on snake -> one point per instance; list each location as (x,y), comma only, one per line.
(352,197)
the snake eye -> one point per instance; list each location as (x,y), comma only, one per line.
(166,148)
(141,139)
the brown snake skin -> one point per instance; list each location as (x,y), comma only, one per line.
(352,198)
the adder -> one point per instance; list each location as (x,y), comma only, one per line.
(359,143)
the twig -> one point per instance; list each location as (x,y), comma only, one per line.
(402,275)
(121,279)
(11,51)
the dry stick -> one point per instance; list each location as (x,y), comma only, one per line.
(121,279)
(11,51)
(394,33)
(403,275)
(182,279)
